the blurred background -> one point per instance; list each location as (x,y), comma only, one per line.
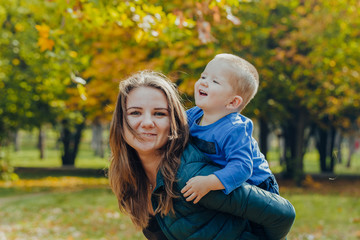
(60,65)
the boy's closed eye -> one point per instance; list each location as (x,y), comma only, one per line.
(216,82)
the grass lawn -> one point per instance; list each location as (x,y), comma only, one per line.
(62,205)
(85,208)
(66,214)
(325,209)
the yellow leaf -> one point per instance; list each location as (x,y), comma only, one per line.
(19,27)
(139,36)
(15,61)
(332,63)
(82,92)
(73,54)
(58,32)
(45,44)
(43,30)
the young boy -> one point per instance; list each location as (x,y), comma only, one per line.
(218,129)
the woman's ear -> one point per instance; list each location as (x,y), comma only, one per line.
(235,103)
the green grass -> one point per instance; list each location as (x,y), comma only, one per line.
(68,214)
(325,216)
(92,213)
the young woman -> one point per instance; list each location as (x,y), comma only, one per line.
(152,160)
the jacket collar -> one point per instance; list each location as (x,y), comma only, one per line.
(159,181)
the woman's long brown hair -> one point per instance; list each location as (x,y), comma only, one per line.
(126,174)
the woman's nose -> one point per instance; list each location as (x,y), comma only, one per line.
(147,121)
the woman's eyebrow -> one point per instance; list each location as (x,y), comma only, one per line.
(133,107)
(157,108)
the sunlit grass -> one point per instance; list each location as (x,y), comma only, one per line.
(70,208)
(75,205)
(325,216)
(68,214)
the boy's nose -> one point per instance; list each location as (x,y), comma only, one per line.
(203,82)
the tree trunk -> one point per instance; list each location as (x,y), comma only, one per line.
(338,141)
(282,148)
(321,142)
(294,145)
(264,133)
(41,142)
(16,140)
(299,147)
(288,132)
(70,139)
(351,149)
(331,150)
(97,142)
(325,143)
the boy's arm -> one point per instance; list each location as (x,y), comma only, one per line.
(199,186)
(236,146)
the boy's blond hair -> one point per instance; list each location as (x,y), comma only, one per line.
(244,77)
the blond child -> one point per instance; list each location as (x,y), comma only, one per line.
(218,129)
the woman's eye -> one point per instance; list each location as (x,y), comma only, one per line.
(134,113)
(160,114)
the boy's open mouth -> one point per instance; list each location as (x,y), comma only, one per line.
(202,93)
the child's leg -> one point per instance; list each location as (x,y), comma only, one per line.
(270,184)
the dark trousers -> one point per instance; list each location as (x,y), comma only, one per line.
(270,184)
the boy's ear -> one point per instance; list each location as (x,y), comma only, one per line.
(235,103)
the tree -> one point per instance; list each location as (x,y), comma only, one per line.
(29,95)
(308,71)
(115,39)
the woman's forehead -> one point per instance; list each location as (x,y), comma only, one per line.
(147,96)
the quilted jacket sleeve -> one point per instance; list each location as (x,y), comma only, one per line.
(273,212)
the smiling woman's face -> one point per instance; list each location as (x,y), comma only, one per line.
(148,115)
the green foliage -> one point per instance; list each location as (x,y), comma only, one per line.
(65,58)
(29,91)
(7,171)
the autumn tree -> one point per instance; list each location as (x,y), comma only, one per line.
(119,38)
(305,52)
(309,73)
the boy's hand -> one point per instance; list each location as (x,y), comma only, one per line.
(199,186)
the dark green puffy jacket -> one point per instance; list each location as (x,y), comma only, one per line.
(219,216)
